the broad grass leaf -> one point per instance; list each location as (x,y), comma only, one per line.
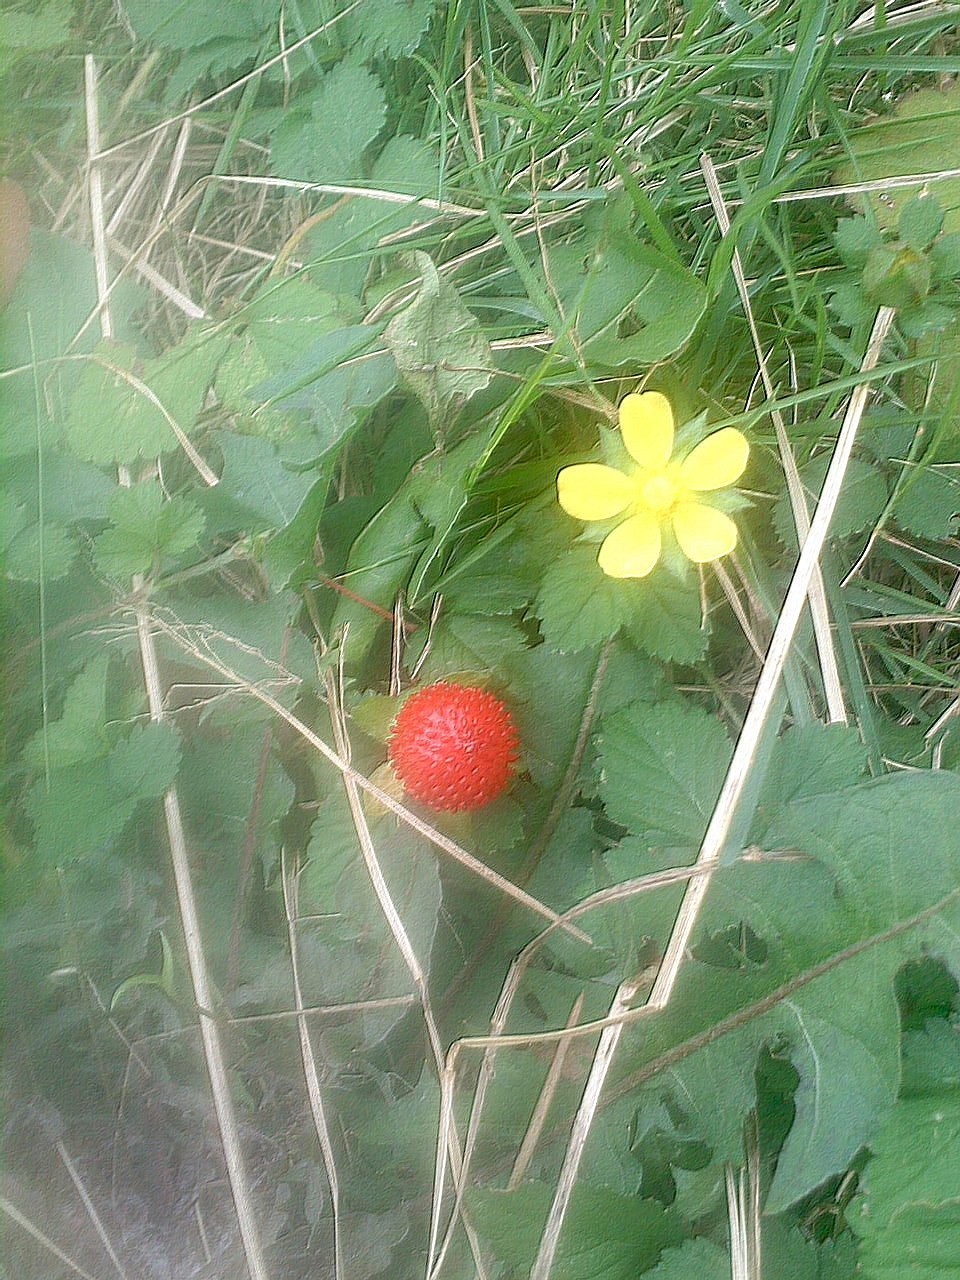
(908,1212)
(661,769)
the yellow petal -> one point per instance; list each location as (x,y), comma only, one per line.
(703,532)
(716,461)
(632,549)
(646,424)
(592,491)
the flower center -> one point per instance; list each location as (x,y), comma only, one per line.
(658,491)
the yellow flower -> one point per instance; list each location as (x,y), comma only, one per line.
(658,491)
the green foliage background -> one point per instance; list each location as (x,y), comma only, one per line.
(376,272)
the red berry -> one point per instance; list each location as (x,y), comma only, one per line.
(453,746)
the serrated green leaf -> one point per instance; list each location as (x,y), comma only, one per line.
(661,769)
(391,27)
(700,1258)
(147,528)
(668,622)
(908,1213)
(809,760)
(579,607)
(855,864)
(88,804)
(79,732)
(439,347)
(325,138)
(115,414)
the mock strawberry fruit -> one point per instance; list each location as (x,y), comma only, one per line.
(453,746)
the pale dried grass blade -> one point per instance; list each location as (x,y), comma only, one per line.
(586,1112)
(14,1214)
(544,1099)
(764,694)
(91,1209)
(203,989)
(829,670)
(448,1141)
(308,1058)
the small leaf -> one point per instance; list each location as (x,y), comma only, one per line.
(920,222)
(146,529)
(439,347)
(854,238)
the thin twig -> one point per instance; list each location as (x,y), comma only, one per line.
(88,1204)
(308,1058)
(830,674)
(21,1220)
(202,986)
